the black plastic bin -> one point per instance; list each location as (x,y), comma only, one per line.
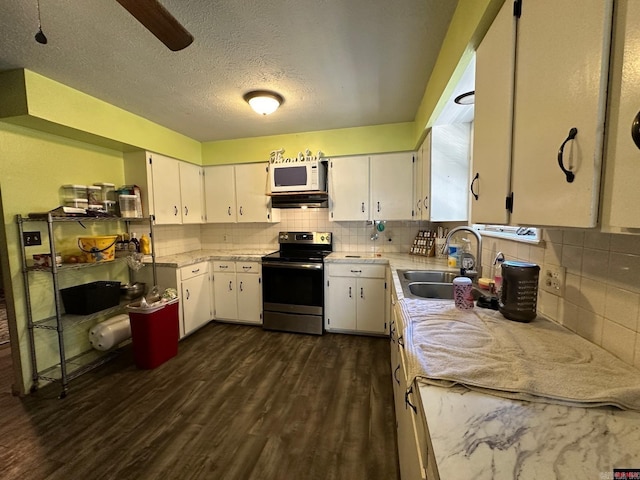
(90,297)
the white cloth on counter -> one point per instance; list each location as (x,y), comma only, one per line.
(536,361)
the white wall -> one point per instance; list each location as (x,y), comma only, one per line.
(602,296)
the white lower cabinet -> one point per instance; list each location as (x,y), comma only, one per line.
(237,291)
(413,444)
(356,298)
(193,285)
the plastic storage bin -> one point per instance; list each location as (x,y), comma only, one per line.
(107,191)
(90,297)
(128,206)
(155,333)
(71,192)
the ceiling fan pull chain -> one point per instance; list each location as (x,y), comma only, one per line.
(40,36)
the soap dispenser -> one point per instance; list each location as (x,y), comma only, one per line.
(497,273)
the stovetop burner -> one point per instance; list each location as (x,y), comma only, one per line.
(302,247)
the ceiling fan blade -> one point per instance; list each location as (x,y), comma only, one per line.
(160,22)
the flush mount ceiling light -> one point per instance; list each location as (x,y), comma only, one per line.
(466,98)
(263,102)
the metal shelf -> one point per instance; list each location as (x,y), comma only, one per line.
(68,368)
(69,320)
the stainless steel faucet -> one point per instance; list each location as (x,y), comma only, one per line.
(478,251)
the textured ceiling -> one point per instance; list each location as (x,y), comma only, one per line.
(337,63)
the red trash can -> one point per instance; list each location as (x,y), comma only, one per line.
(155,333)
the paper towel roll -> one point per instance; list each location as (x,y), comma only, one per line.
(111,332)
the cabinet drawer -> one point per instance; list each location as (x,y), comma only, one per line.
(194,270)
(224,266)
(357,270)
(248,267)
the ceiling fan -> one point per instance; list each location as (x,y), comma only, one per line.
(160,22)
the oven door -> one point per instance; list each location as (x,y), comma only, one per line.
(295,287)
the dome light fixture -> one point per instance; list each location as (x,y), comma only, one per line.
(263,102)
(468,98)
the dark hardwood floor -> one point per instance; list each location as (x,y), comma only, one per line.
(236,403)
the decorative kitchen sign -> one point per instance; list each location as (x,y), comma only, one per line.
(276,156)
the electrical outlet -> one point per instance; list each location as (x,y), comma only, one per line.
(31,238)
(553,279)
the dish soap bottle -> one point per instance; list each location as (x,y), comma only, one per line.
(145,245)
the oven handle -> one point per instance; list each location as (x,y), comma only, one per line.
(304,266)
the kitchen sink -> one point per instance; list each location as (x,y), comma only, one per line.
(430,284)
(428,276)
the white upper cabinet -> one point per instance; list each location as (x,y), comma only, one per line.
(252,185)
(493,118)
(422,180)
(376,187)
(349,188)
(238,193)
(392,186)
(621,193)
(220,194)
(562,61)
(170,189)
(191,193)
(561,71)
(165,173)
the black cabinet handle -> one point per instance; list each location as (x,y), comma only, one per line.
(186,211)
(175,211)
(378,206)
(475,195)
(188,294)
(241,211)
(230,288)
(407,403)
(395,374)
(570,175)
(229,211)
(401,341)
(635,130)
(349,292)
(241,287)
(361,292)
(392,331)
(362,207)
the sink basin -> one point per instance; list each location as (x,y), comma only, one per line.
(432,290)
(431,284)
(428,276)
(435,290)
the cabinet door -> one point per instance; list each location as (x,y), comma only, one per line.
(196,302)
(561,80)
(622,195)
(342,303)
(450,172)
(392,186)
(349,188)
(422,180)
(166,189)
(493,117)
(249,298)
(225,298)
(370,305)
(191,193)
(220,194)
(252,181)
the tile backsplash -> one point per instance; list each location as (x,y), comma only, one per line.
(601,301)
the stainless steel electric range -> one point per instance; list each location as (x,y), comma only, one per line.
(293,283)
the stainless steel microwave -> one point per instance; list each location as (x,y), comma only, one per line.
(305,176)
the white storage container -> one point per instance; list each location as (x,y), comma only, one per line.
(107,191)
(128,206)
(74,192)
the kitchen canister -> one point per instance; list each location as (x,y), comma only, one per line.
(463,293)
(519,294)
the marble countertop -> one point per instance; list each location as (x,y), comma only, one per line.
(189,258)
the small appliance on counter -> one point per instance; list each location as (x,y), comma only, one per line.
(519,293)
